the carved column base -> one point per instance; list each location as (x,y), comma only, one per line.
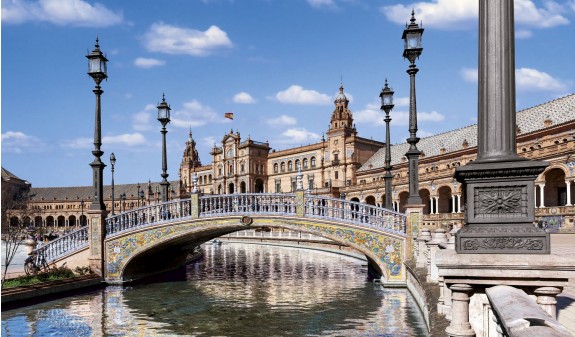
(500,208)
(460,326)
(546,298)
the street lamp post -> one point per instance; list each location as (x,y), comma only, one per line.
(164,119)
(98,71)
(386,105)
(123,198)
(138,195)
(412,38)
(112,162)
(142,196)
(82,216)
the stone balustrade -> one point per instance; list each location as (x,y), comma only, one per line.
(516,314)
(493,295)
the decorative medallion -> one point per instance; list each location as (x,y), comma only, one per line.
(500,201)
(246,220)
(503,243)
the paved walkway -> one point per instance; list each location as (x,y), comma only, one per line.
(564,245)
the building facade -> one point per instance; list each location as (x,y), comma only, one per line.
(344,165)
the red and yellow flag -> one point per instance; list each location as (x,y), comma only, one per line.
(229,115)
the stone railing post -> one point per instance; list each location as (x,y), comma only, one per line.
(424,236)
(438,237)
(195,205)
(414,216)
(460,326)
(546,298)
(97,235)
(300,202)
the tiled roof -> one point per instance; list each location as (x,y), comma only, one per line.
(559,111)
(86,192)
(7,175)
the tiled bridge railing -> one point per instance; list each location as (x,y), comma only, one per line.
(278,204)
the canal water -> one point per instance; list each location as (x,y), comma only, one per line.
(235,290)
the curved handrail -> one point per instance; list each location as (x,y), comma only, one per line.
(63,245)
(282,204)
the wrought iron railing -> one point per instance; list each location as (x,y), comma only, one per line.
(147,216)
(65,244)
(247,203)
(355,213)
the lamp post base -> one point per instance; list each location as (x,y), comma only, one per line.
(500,208)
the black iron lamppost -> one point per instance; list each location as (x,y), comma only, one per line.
(112,162)
(164,118)
(142,196)
(386,105)
(123,198)
(97,70)
(138,195)
(412,37)
(82,216)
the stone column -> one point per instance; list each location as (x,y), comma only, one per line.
(414,214)
(568,183)
(438,237)
(546,298)
(453,210)
(541,195)
(97,234)
(424,236)
(436,205)
(460,326)
(499,184)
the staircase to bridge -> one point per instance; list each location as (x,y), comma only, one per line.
(158,238)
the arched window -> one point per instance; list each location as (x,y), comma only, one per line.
(297,164)
(305,163)
(290,166)
(312,161)
(275,168)
(283,166)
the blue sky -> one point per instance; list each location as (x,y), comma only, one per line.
(276,64)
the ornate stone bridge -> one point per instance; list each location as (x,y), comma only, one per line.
(157,238)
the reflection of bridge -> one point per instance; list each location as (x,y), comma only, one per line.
(157,238)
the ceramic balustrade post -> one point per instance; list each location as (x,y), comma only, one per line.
(546,298)
(460,326)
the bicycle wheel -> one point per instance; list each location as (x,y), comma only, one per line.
(30,268)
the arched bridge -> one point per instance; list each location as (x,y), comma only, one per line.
(159,237)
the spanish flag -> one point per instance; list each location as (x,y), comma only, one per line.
(229,115)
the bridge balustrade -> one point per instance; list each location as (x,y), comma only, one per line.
(147,216)
(356,213)
(72,241)
(246,203)
(280,204)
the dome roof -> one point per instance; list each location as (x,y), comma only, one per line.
(341,96)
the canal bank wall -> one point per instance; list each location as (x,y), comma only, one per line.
(27,295)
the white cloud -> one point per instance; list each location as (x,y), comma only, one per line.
(209,141)
(298,95)
(148,62)
(374,116)
(243,98)
(457,14)
(523,34)
(142,120)
(298,136)
(60,12)
(401,101)
(19,142)
(469,74)
(321,3)
(128,139)
(164,38)
(526,79)
(194,114)
(282,120)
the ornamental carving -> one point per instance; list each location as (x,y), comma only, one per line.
(503,243)
(508,200)
(503,229)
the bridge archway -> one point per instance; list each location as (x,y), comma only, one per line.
(162,248)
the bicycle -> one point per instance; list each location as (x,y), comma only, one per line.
(36,263)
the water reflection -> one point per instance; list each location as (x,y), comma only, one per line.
(236,290)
